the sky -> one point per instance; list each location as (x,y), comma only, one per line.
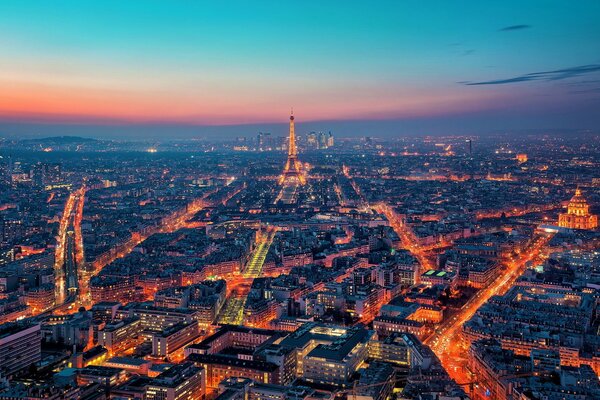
(210,68)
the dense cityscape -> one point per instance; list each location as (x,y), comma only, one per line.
(283,200)
(406,268)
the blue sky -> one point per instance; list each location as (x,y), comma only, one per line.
(94,67)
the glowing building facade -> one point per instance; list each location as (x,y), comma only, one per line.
(578,214)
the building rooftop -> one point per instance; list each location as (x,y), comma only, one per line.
(11,328)
(233,362)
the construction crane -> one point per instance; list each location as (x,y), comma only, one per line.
(355,386)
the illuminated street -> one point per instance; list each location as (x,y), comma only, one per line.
(406,236)
(174,222)
(233,310)
(446,341)
(68,252)
(253,268)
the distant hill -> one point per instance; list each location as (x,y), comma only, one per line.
(59,140)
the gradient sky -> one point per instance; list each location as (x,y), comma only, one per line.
(178,66)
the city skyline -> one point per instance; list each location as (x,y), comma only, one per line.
(206,70)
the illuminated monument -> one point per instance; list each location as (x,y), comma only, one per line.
(578,214)
(292,173)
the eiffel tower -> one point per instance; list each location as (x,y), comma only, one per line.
(292,173)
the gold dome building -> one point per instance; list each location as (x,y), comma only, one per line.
(578,214)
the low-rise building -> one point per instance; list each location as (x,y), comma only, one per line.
(392,349)
(182,381)
(20,347)
(118,336)
(328,354)
(173,338)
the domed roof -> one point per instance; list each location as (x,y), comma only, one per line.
(578,198)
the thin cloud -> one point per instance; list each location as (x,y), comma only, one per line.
(586,91)
(582,83)
(555,75)
(514,28)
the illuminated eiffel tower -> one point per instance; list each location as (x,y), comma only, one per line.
(292,173)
